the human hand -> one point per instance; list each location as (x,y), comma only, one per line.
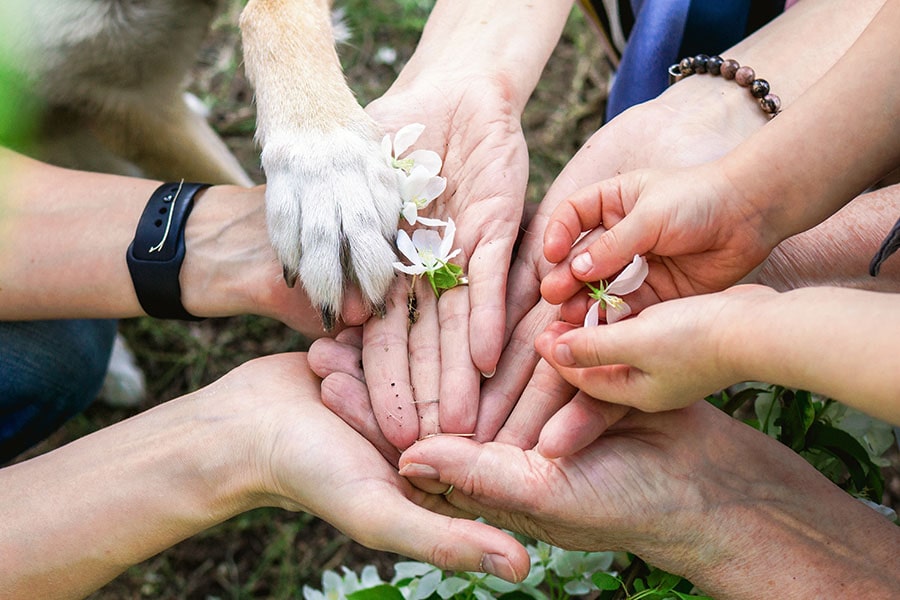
(476,131)
(700,234)
(668,356)
(692,491)
(291,439)
(677,129)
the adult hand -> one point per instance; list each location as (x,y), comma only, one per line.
(257,437)
(691,491)
(475,129)
(691,123)
(293,442)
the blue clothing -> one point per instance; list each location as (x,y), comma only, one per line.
(661,32)
(49,372)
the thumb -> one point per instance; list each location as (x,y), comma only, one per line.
(616,248)
(487,475)
(451,544)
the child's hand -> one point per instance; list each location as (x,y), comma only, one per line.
(697,231)
(669,356)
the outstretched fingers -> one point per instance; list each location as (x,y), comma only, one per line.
(385,358)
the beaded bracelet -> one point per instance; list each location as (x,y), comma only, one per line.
(729,69)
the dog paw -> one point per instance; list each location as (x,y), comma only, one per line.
(333,206)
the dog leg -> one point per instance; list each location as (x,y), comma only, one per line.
(166,140)
(332,200)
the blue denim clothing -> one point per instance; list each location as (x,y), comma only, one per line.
(49,372)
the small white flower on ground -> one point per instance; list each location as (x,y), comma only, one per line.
(403,139)
(607,296)
(417,191)
(386,55)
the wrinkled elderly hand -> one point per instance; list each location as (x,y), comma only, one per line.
(690,491)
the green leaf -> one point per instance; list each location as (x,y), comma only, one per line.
(865,476)
(379,592)
(445,278)
(796,417)
(605,581)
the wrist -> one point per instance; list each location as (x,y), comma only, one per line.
(740,340)
(508,42)
(226,247)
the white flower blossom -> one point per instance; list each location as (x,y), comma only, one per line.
(607,296)
(426,250)
(417,191)
(403,139)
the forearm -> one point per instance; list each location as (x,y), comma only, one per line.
(80,515)
(63,242)
(838,251)
(819,126)
(835,341)
(508,41)
(64,235)
(792,52)
(777,528)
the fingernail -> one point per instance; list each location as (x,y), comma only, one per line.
(582,263)
(417,470)
(498,565)
(563,355)
(489,375)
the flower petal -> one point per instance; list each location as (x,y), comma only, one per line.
(616,311)
(434,187)
(412,186)
(407,247)
(592,318)
(427,240)
(410,212)
(447,243)
(431,222)
(631,278)
(409,270)
(386,148)
(406,137)
(427,159)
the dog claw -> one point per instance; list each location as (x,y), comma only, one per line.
(289,278)
(380,309)
(328,318)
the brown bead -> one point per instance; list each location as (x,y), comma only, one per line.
(686,66)
(714,64)
(699,63)
(771,104)
(744,76)
(759,88)
(729,68)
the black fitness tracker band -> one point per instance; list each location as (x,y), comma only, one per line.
(155,256)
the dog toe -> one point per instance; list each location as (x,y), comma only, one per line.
(333,206)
